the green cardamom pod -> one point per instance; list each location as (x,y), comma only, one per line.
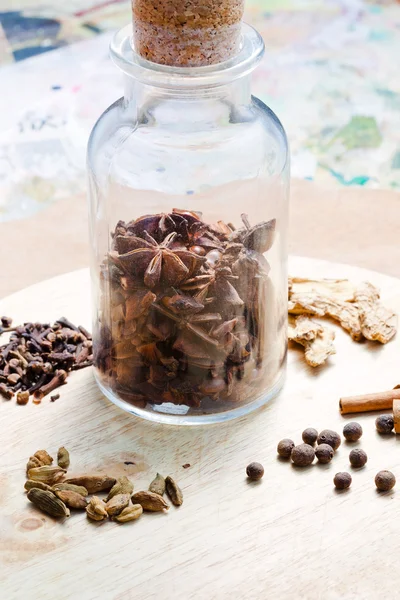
(157,486)
(63,458)
(150,501)
(117,504)
(94,483)
(70,487)
(71,499)
(47,502)
(46,474)
(174,491)
(123,486)
(130,513)
(44,457)
(96,509)
(37,484)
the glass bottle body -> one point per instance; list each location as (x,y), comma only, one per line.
(189,182)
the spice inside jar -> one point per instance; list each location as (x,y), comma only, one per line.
(185,329)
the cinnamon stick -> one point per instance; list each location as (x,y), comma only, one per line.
(396,415)
(367,402)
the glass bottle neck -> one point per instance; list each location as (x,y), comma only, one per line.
(204,95)
(141,98)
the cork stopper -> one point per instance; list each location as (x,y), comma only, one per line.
(180,33)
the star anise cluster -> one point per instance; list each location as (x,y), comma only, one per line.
(183,315)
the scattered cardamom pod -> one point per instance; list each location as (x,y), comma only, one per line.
(117,503)
(130,513)
(63,458)
(96,509)
(46,474)
(48,503)
(93,483)
(44,457)
(70,487)
(157,486)
(32,463)
(37,484)
(123,486)
(174,491)
(71,499)
(149,501)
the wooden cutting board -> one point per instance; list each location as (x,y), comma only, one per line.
(289,536)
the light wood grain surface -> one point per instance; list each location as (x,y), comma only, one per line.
(289,536)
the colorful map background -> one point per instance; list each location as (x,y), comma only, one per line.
(331,73)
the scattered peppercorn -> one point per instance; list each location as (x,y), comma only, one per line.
(324,453)
(309,436)
(255,471)
(358,458)
(385,481)
(302,455)
(285,448)
(384,424)
(352,432)
(327,436)
(342,481)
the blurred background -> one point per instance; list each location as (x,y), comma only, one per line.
(331,73)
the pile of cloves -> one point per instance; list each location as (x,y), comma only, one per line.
(51,493)
(38,357)
(183,310)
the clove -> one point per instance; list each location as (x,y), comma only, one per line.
(58,379)
(5,392)
(36,352)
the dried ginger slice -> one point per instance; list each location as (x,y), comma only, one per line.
(316,339)
(377,322)
(339,289)
(317,304)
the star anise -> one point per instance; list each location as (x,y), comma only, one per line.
(250,267)
(217,282)
(201,235)
(191,322)
(162,224)
(198,346)
(158,226)
(155,261)
(260,237)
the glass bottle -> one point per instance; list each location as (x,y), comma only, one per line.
(189,181)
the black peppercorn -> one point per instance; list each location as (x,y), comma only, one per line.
(324,453)
(358,458)
(285,448)
(255,471)
(385,481)
(309,436)
(384,423)
(352,432)
(302,455)
(327,436)
(342,481)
